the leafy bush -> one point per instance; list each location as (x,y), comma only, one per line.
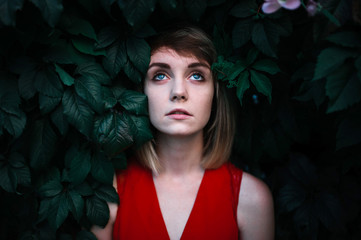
(70,111)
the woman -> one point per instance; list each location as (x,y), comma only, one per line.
(180,186)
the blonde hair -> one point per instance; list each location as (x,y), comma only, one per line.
(219,131)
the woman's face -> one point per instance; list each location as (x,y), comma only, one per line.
(180,92)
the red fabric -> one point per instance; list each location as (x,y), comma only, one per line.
(213,215)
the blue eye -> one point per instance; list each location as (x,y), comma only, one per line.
(196,76)
(159,77)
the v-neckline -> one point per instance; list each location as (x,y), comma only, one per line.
(159,211)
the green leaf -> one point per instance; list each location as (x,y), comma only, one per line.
(312,90)
(120,161)
(343,88)
(106,4)
(79,164)
(346,39)
(10,101)
(262,40)
(8,10)
(7,182)
(80,26)
(23,175)
(109,99)
(241,33)
(266,65)
(133,73)
(329,211)
(90,90)
(94,70)
(47,104)
(64,76)
(48,83)
(107,193)
(51,10)
(85,235)
(278,27)
(143,132)
(44,208)
(50,188)
(244,9)
(330,59)
(136,12)
(78,113)
(243,85)
(63,52)
(76,204)
(13,123)
(228,71)
(26,84)
(107,36)
(168,5)
(291,197)
(252,56)
(87,46)
(237,68)
(12,118)
(330,17)
(195,8)
(84,189)
(302,169)
(349,131)
(116,58)
(134,102)
(59,120)
(262,84)
(42,144)
(97,211)
(59,211)
(145,31)
(102,169)
(114,132)
(138,52)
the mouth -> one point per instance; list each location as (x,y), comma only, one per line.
(178,112)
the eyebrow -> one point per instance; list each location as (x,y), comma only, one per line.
(165,65)
(198,64)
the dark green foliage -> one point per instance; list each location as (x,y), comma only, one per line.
(70,113)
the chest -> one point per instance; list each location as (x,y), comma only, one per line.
(176,200)
(149,210)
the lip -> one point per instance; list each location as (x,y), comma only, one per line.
(179,114)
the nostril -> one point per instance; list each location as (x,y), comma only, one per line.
(177,97)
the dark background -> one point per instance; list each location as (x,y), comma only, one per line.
(69,115)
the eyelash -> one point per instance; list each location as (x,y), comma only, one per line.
(157,74)
(193,73)
(200,75)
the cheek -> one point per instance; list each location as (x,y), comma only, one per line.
(207,102)
(153,103)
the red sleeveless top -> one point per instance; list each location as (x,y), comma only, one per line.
(213,216)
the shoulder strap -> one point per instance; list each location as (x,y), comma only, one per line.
(236,179)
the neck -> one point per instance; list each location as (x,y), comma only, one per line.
(180,154)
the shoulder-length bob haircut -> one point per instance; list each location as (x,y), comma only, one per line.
(219,131)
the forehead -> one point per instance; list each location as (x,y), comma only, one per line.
(168,55)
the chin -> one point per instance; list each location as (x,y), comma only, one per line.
(182,133)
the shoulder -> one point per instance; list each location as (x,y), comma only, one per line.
(255,209)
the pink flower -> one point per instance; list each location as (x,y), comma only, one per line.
(271,6)
(311,8)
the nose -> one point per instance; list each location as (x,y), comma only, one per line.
(179,90)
